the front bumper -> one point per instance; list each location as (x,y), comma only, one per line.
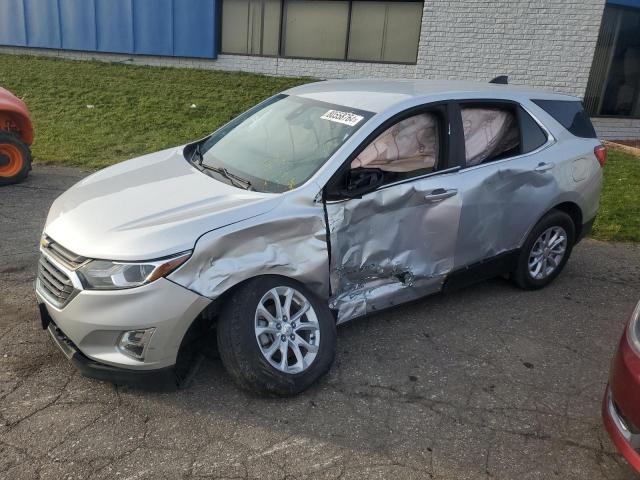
(625,441)
(152,379)
(621,403)
(94,320)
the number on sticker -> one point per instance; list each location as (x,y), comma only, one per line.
(346,118)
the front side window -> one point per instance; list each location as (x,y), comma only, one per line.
(410,146)
(282,142)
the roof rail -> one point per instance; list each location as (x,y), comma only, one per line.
(500,80)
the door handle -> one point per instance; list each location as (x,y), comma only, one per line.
(440,194)
(543,167)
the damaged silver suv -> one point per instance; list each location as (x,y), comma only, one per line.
(319,205)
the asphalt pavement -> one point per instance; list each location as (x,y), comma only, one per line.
(488,382)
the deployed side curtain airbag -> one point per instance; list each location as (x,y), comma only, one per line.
(488,132)
(411,144)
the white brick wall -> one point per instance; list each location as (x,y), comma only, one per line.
(617,128)
(542,43)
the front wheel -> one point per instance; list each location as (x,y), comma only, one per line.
(15,159)
(275,337)
(546,251)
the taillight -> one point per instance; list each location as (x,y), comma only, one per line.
(601,154)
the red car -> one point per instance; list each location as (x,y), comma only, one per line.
(621,403)
(16,135)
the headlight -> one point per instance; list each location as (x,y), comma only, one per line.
(633,329)
(108,275)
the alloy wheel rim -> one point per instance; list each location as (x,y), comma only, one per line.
(547,252)
(287,330)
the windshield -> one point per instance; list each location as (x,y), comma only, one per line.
(279,144)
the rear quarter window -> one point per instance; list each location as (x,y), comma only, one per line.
(570,115)
(532,136)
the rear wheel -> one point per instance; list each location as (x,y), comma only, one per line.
(15,159)
(546,251)
(275,337)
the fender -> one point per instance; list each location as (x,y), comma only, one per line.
(568,202)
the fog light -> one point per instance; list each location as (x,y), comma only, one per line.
(134,342)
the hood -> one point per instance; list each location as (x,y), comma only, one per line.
(147,208)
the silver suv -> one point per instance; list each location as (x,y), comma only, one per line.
(319,205)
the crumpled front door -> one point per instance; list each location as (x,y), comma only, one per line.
(392,245)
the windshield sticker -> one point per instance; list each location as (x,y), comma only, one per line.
(347,118)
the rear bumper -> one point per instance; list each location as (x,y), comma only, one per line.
(586,229)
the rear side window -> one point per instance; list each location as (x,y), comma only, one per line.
(498,130)
(570,115)
(491,132)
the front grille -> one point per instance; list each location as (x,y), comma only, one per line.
(64,256)
(54,282)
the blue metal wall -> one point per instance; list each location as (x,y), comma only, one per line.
(625,3)
(185,28)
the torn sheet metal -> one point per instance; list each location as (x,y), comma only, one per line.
(289,242)
(391,246)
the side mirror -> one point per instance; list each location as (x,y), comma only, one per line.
(360,181)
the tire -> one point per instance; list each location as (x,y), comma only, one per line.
(15,159)
(553,222)
(241,346)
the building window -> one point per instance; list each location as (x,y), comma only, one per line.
(614,83)
(251,27)
(355,30)
(385,31)
(316,28)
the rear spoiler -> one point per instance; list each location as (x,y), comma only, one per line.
(500,80)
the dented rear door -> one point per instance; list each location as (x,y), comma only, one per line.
(503,199)
(392,245)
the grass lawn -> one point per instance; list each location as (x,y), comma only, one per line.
(619,215)
(94,114)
